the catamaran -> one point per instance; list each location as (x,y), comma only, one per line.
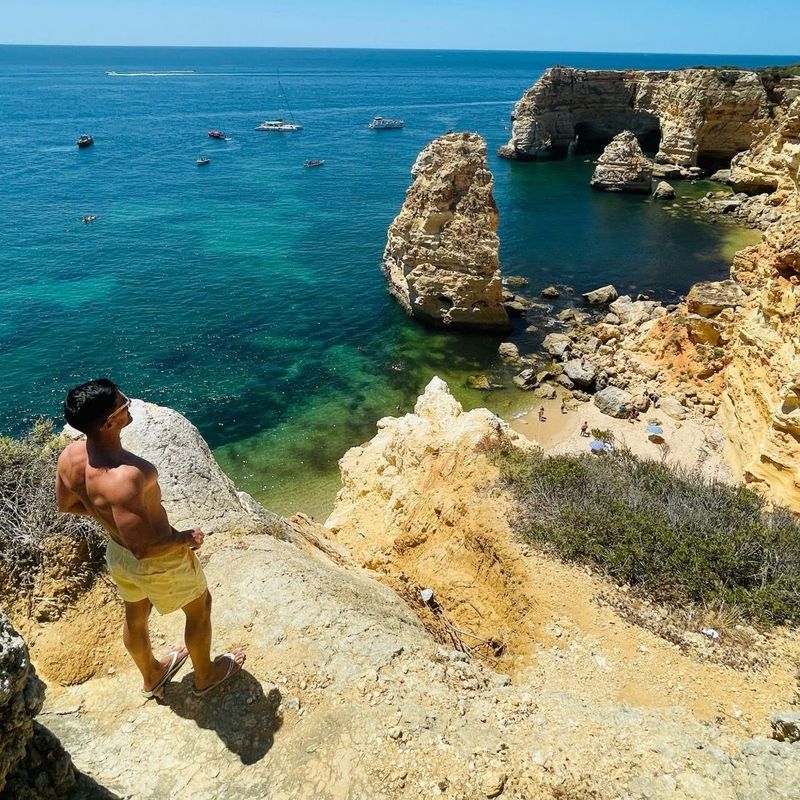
(281,125)
(381,124)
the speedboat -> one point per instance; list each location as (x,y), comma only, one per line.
(381,124)
(217,135)
(201,162)
(279,125)
(314,162)
(85,140)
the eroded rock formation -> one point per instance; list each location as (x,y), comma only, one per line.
(623,167)
(689,115)
(442,253)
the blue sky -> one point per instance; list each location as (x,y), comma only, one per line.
(674,26)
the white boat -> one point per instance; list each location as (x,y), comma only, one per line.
(381,124)
(279,125)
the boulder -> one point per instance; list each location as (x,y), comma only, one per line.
(509,353)
(550,291)
(786,726)
(623,167)
(602,296)
(702,330)
(581,372)
(708,298)
(672,408)
(612,400)
(526,379)
(516,281)
(546,391)
(663,191)
(606,332)
(721,176)
(441,259)
(556,344)
(482,383)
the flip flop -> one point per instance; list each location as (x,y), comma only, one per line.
(175,664)
(233,668)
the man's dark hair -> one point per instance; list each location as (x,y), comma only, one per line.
(88,405)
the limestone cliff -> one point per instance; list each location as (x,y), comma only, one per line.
(442,253)
(761,399)
(623,167)
(691,115)
(773,161)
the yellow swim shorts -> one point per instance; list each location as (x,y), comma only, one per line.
(168,582)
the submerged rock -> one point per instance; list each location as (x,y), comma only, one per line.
(623,167)
(550,291)
(442,253)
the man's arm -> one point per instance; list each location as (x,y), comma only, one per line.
(66,500)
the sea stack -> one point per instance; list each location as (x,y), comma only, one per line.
(623,167)
(442,251)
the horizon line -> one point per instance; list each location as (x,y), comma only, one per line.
(395,49)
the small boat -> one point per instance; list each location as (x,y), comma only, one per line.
(381,124)
(201,162)
(217,135)
(85,140)
(88,217)
(314,162)
(279,125)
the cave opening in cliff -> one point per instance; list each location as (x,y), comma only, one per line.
(711,162)
(593,138)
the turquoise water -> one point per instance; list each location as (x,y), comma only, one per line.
(247,294)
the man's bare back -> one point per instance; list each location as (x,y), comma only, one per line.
(122,494)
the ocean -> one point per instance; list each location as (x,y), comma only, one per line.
(247,294)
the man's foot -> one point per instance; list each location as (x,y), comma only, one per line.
(167,667)
(221,669)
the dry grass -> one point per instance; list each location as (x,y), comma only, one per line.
(47,559)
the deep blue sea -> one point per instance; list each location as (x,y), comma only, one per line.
(247,294)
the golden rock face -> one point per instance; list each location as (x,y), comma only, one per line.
(442,252)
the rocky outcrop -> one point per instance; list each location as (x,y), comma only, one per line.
(195,491)
(33,765)
(21,698)
(442,253)
(663,191)
(623,167)
(689,115)
(772,163)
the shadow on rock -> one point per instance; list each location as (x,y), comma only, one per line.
(239,712)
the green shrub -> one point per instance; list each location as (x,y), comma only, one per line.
(666,531)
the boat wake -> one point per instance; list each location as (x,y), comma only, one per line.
(172,73)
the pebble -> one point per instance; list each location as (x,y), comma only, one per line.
(493,783)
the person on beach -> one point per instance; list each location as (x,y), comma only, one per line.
(541,414)
(151,563)
(585,429)
(563,406)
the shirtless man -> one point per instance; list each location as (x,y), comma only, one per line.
(151,563)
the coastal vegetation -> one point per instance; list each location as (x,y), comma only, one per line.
(46,558)
(668,533)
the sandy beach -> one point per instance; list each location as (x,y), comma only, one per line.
(689,443)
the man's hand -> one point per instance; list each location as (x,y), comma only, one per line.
(195,538)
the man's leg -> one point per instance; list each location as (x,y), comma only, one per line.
(198,642)
(136,636)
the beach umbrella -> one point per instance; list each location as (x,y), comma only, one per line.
(596,446)
(656,430)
